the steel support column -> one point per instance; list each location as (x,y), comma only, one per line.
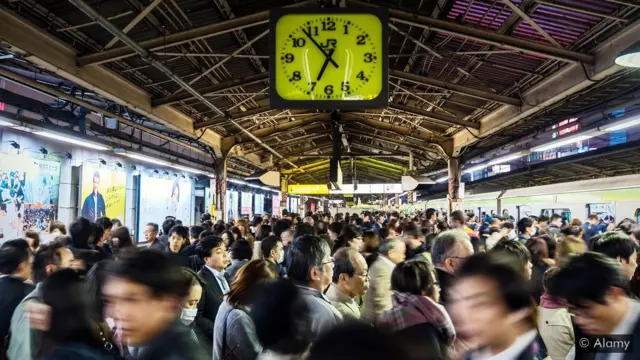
(455,169)
(220,198)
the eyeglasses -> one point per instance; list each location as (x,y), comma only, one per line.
(365,275)
(331,261)
(459,257)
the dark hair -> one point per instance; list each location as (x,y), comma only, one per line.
(587,278)
(167,225)
(98,233)
(64,240)
(371,247)
(321,227)
(615,244)
(124,237)
(344,263)
(241,250)
(116,222)
(257,220)
(181,231)
(514,249)
(555,217)
(413,277)
(268,244)
(104,222)
(507,225)
(263,232)
(571,231)
(349,233)
(282,319)
(458,216)
(71,322)
(336,227)
(511,284)
(80,231)
(543,218)
(34,236)
(280,227)
(548,277)
(218,227)
(236,231)
(60,226)
(538,249)
(305,253)
(413,231)
(151,268)
(195,231)
(47,255)
(154,226)
(19,243)
(208,233)
(205,217)
(627,226)
(95,278)
(551,245)
(524,223)
(247,280)
(304,229)
(11,257)
(430,212)
(206,244)
(359,341)
(383,233)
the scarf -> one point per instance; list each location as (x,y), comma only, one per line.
(547,302)
(409,310)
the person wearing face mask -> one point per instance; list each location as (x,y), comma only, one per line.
(189,310)
(273,251)
(234,331)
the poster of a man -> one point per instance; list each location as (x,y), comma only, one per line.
(93,206)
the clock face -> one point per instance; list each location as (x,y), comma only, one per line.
(336,57)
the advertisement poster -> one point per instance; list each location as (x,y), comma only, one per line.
(258,206)
(232,205)
(103,193)
(245,203)
(28,194)
(275,205)
(162,197)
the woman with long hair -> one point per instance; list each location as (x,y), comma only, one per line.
(350,237)
(243,226)
(234,331)
(121,239)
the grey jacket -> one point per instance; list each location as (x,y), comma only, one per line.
(241,341)
(345,305)
(324,316)
(25,342)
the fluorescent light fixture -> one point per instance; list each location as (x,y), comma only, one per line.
(242,182)
(72,140)
(147,159)
(563,142)
(505,159)
(442,179)
(474,168)
(187,169)
(630,57)
(623,124)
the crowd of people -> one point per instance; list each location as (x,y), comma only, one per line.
(381,285)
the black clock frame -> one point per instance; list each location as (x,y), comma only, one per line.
(380,102)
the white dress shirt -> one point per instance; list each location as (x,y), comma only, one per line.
(222,281)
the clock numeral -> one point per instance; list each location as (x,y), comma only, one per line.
(313,85)
(296,76)
(368,57)
(288,58)
(346,29)
(312,30)
(361,75)
(360,40)
(328,90)
(328,25)
(345,86)
(299,42)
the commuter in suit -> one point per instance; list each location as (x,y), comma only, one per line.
(15,270)
(378,298)
(213,252)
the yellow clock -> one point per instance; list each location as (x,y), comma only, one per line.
(329,58)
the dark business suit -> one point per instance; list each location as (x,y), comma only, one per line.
(212,297)
(13,290)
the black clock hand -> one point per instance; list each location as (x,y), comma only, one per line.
(333,62)
(326,62)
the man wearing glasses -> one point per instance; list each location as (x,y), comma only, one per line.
(310,267)
(350,280)
(450,250)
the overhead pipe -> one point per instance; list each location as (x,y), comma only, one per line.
(147,56)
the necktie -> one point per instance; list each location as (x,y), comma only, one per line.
(223,283)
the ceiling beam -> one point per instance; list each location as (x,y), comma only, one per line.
(460,89)
(431,114)
(171,40)
(531,22)
(134,22)
(487,36)
(285,126)
(400,130)
(212,89)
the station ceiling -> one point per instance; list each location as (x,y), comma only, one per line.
(466,76)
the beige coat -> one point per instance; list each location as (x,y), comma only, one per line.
(556,330)
(378,299)
(345,305)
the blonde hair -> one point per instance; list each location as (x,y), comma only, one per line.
(569,245)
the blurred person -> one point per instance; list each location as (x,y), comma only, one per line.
(539,260)
(573,230)
(568,246)
(370,246)
(15,270)
(357,341)
(620,247)
(491,307)
(213,252)
(591,227)
(237,233)
(554,321)
(189,310)
(304,229)
(283,322)
(575,222)
(263,232)
(33,238)
(450,250)
(55,229)
(255,224)
(378,298)
(555,225)
(26,343)
(241,254)
(227,237)
(308,220)
(80,231)
(593,287)
(334,230)
(98,241)
(350,280)
(121,239)
(234,331)
(350,237)
(495,235)
(71,333)
(151,236)
(107,225)
(543,222)
(322,232)
(209,226)
(626,226)
(416,246)
(416,317)
(144,292)
(520,254)
(281,226)
(310,267)
(273,251)
(194,234)
(526,229)
(431,219)
(167,225)
(205,217)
